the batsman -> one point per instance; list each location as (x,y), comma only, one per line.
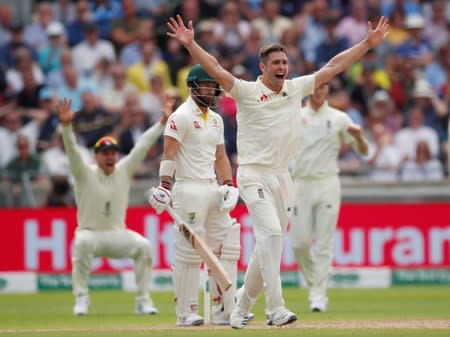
(202,195)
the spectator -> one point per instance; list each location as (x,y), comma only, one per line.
(332,45)
(424,167)
(55,78)
(271,24)
(408,137)
(354,26)
(435,30)
(5,22)
(21,170)
(382,110)
(50,57)
(250,57)
(74,86)
(59,195)
(91,50)
(151,101)
(47,103)
(363,91)
(23,63)
(231,31)
(125,29)
(131,52)
(384,157)
(139,73)
(8,51)
(64,11)
(113,98)
(11,128)
(103,13)
(92,121)
(28,97)
(36,33)
(83,17)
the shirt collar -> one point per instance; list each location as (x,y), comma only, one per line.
(194,107)
(266,91)
(322,107)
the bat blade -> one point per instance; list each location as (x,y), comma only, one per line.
(207,255)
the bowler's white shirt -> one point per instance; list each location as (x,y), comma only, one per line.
(198,140)
(321,132)
(268,123)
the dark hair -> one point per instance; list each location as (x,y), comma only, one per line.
(271,48)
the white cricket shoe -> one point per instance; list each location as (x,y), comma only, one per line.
(319,305)
(281,317)
(146,308)
(238,318)
(81,305)
(219,316)
(192,319)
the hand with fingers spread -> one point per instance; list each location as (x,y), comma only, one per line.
(376,36)
(65,114)
(183,34)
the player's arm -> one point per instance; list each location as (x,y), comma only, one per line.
(167,167)
(66,116)
(222,166)
(230,194)
(361,145)
(148,138)
(346,58)
(185,35)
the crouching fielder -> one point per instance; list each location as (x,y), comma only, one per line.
(194,152)
(101,193)
(318,190)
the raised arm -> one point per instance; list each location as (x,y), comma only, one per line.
(66,116)
(140,149)
(346,58)
(185,35)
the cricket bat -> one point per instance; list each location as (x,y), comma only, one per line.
(211,260)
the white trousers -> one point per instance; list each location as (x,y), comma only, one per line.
(314,219)
(118,243)
(268,196)
(196,202)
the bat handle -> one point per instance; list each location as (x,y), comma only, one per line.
(174,215)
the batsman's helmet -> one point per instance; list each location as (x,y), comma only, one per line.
(196,76)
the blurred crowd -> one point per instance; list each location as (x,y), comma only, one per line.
(112,58)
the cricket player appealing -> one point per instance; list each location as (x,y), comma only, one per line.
(318,190)
(101,194)
(194,152)
(268,132)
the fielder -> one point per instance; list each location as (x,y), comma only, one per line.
(318,189)
(268,131)
(194,152)
(101,194)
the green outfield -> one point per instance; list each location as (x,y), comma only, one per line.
(399,311)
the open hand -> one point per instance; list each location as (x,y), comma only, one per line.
(65,113)
(179,31)
(376,36)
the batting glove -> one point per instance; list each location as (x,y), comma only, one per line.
(159,198)
(230,197)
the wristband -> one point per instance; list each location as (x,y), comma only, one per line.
(166,184)
(167,168)
(228,182)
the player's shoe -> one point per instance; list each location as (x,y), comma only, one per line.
(281,317)
(219,316)
(146,308)
(319,305)
(238,318)
(81,305)
(192,319)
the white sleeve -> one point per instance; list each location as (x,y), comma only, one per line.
(176,127)
(134,159)
(304,85)
(76,162)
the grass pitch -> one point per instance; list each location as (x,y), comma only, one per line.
(398,311)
